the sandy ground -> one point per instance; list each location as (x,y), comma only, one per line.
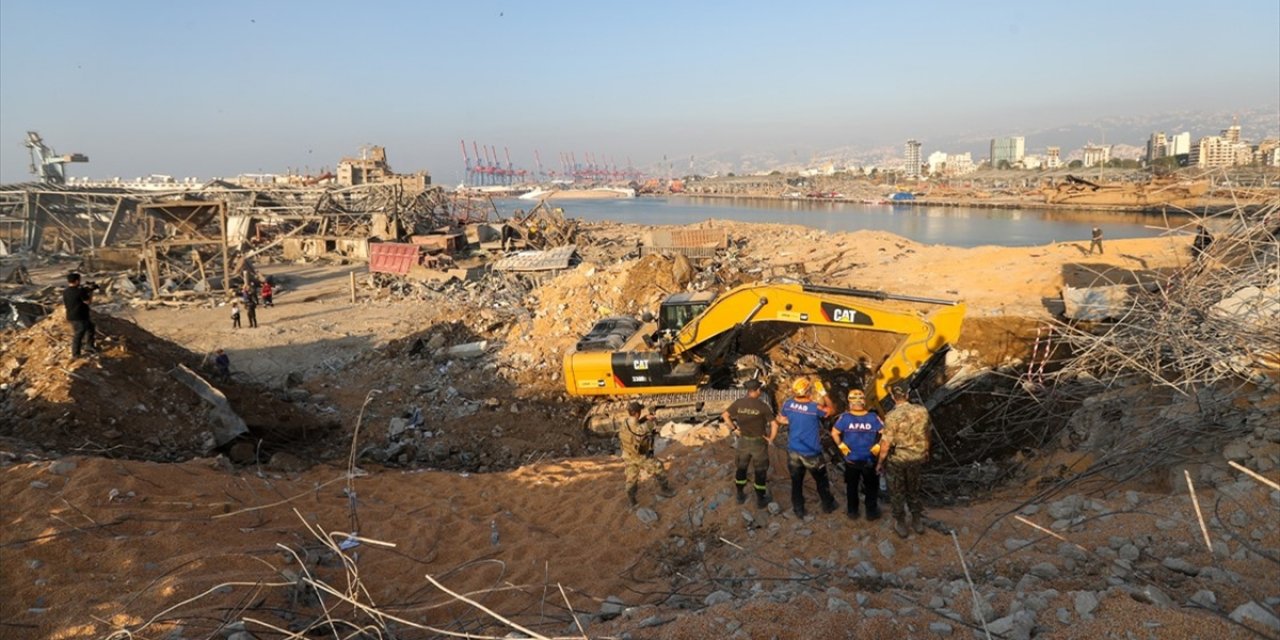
(96,544)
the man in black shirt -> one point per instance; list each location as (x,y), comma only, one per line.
(750,416)
(76,299)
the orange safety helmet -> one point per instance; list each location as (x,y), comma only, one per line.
(801,387)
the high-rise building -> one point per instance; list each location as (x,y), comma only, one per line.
(937,160)
(1096,155)
(913,159)
(1157,147)
(1053,157)
(1008,150)
(1232,133)
(1178,144)
(1215,151)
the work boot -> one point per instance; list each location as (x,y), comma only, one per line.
(829,506)
(917,523)
(799,511)
(665,490)
(852,514)
(873,514)
(762,500)
(742,495)
(631,495)
(900,526)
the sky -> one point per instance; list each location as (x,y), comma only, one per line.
(221,88)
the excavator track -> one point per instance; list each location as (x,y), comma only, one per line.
(605,418)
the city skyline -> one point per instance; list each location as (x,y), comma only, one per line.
(146,87)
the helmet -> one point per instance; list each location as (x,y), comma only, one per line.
(801,386)
(856,395)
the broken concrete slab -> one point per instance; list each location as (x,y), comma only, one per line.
(228,424)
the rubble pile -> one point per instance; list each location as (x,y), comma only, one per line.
(125,401)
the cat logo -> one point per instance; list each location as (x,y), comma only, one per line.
(844,315)
(640,365)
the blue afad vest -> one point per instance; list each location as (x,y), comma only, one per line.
(859,433)
(805,419)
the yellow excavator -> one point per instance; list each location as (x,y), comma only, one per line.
(689,362)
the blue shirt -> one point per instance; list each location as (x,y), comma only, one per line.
(805,420)
(859,433)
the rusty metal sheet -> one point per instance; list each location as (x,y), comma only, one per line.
(392,257)
(549,260)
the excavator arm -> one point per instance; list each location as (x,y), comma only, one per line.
(831,307)
(681,367)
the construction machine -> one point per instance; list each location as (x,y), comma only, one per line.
(690,362)
(47,165)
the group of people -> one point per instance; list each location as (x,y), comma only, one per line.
(248,297)
(869,447)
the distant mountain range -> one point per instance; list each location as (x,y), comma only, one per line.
(1127,135)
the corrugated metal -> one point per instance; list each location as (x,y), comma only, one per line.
(392,257)
(551,259)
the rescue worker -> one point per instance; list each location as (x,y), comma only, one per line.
(750,416)
(76,298)
(1096,236)
(904,448)
(856,431)
(804,446)
(636,437)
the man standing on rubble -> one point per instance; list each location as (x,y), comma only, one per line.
(76,298)
(750,416)
(804,445)
(251,308)
(636,437)
(904,448)
(1097,241)
(856,432)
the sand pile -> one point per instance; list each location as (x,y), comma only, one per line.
(124,402)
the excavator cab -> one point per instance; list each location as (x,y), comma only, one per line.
(679,309)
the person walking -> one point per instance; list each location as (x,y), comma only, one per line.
(266,293)
(1097,241)
(76,298)
(235,315)
(904,448)
(803,416)
(636,439)
(856,431)
(750,416)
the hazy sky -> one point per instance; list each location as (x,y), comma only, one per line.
(219,88)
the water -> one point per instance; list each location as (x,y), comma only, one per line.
(956,226)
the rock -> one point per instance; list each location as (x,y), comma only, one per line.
(287,462)
(877,613)
(981,610)
(838,606)
(1236,451)
(748,518)
(1150,595)
(1072,552)
(646,515)
(1085,603)
(718,597)
(1028,583)
(62,467)
(1204,598)
(38,484)
(1065,509)
(774,508)
(886,549)
(612,607)
(940,628)
(1045,570)
(1064,616)
(1013,544)
(1129,552)
(1018,625)
(1180,565)
(1257,613)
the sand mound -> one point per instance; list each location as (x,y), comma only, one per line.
(124,402)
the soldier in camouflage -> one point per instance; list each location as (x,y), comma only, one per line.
(636,437)
(904,448)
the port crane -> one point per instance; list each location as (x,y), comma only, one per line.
(48,165)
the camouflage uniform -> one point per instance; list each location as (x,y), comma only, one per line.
(907,428)
(636,438)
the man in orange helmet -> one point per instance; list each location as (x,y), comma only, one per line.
(804,415)
(856,432)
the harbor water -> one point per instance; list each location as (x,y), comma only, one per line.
(955,226)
